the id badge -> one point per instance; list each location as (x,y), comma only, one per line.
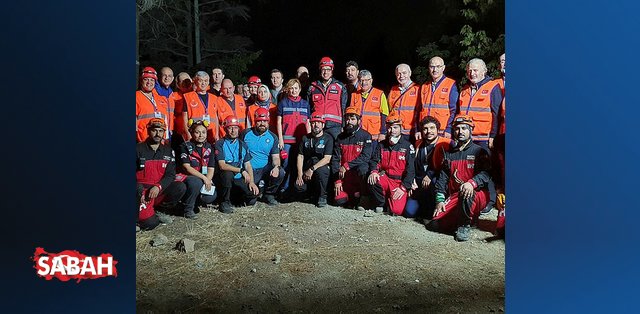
(157,114)
(204,170)
(206,118)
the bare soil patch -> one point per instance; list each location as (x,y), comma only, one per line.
(297,258)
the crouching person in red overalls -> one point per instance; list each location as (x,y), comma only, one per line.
(461,188)
(155,175)
(392,169)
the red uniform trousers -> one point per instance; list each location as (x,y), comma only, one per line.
(352,186)
(384,190)
(457,210)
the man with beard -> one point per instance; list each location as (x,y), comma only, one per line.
(314,156)
(429,158)
(351,72)
(461,188)
(350,161)
(234,158)
(155,175)
(392,169)
(329,96)
(150,105)
(263,146)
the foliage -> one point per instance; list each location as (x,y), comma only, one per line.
(191,35)
(480,36)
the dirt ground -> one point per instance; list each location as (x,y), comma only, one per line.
(297,258)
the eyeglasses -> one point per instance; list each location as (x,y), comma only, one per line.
(433,67)
(192,122)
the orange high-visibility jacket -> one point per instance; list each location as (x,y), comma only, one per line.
(406,104)
(437,104)
(146,110)
(479,107)
(196,111)
(370,110)
(224,110)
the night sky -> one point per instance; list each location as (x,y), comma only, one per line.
(376,34)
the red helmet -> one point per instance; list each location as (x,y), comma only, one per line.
(326,62)
(254,80)
(231,120)
(261,114)
(149,72)
(463,118)
(317,116)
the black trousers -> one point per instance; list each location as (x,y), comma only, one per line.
(226,183)
(171,196)
(318,185)
(271,184)
(193,197)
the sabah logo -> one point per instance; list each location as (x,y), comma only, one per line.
(73,265)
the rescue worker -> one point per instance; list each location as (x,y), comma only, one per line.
(254,82)
(328,96)
(302,74)
(201,105)
(480,99)
(265,161)
(198,163)
(392,169)
(428,161)
(498,153)
(350,162)
(183,85)
(155,176)
(217,75)
(293,124)
(149,105)
(230,104)
(461,188)
(371,104)
(314,155)
(233,157)
(351,72)
(404,99)
(264,101)
(277,90)
(439,97)
(163,86)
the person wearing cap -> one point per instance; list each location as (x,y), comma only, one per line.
(461,188)
(439,97)
(428,161)
(217,75)
(263,101)
(314,155)
(200,105)
(329,96)
(404,99)
(230,104)
(235,171)
(198,163)
(155,176)
(277,90)
(293,124)
(392,169)
(263,146)
(350,162)
(371,104)
(150,104)
(480,98)
(163,85)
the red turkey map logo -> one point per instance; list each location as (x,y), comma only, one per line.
(68,265)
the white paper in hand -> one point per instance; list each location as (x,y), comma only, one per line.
(209,192)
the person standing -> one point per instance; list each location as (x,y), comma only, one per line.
(150,105)
(200,105)
(439,97)
(329,96)
(404,99)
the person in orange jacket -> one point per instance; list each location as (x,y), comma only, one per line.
(230,104)
(371,104)
(149,105)
(200,105)
(404,99)
(439,97)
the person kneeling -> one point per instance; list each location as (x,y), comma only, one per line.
(233,158)
(198,163)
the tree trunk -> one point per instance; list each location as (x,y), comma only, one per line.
(196,31)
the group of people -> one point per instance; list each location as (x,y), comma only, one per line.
(421,150)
